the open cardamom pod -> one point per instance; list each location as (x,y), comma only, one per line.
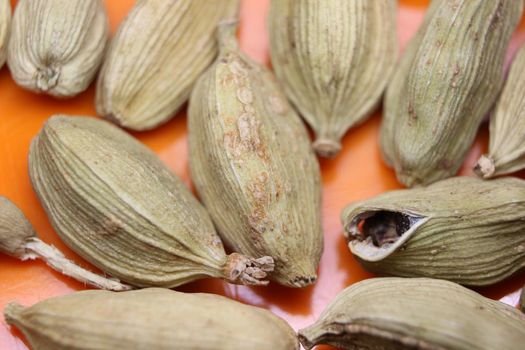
(507,129)
(19,240)
(415,313)
(5,27)
(158,53)
(334,58)
(460,229)
(153,318)
(117,205)
(253,165)
(445,84)
(57,46)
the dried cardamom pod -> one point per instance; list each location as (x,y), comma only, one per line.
(445,85)
(334,58)
(57,46)
(415,313)
(461,229)
(19,240)
(150,318)
(158,53)
(117,205)
(253,166)
(5,26)
(506,149)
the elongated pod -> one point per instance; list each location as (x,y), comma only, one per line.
(5,28)
(253,166)
(158,53)
(461,229)
(117,205)
(57,46)
(334,59)
(152,318)
(419,313)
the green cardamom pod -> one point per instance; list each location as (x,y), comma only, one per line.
(506,149)
(334,58)
(19,240)
(445,84)
(253,165)
(5,26)
(461,229)
(57,46)
(415,313)
(116,204)
(158,53)
(153,318)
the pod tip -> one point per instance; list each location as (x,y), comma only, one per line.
(12,312)
(485,167)
(326,148)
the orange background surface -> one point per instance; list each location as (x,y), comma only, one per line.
(357,173)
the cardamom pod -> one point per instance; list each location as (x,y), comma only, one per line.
(5,25)
(419,313)
(445,85)
(150,318)
(158,53)
(461,229)
(57,46)
(506,150)
(253,165)
(334,58)
(19,240)
(117,205)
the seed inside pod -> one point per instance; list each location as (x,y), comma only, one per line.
(19,240)
(115,203)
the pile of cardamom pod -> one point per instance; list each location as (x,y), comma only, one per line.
(254,168)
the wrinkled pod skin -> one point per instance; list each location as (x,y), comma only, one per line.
(57,46)
(253,166)
(19,240)
(461,229)
(444,85)
(507,126)
(158,53)
(415,313)
(113,201)
(308,41)
(5,27)
(153,319)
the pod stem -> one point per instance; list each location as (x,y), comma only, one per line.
(310,336)
(240,269)
(326,147)
(227,35)
(485,167)
(56,260)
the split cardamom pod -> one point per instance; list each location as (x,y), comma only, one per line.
(445,84)
(19,240)
(253,165)
(461,229)
(115,203)
(419,313)
(5,26)
(150,318)
(506,149)
(334,58)
(158,53)
(57,46)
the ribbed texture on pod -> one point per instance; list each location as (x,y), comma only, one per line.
(158,53)
(253,166)
(5,26)
(117,205)
(57,46)
(445,84)
(15,229)
(507,126)
(461,229)
(420,313)
(334,58)
(149,319)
